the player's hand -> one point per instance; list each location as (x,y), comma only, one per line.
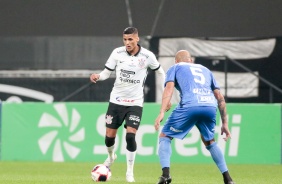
(225,129)
(94,77)
(159,120)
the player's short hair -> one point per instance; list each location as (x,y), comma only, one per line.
(130,30)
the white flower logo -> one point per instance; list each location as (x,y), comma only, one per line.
(54,136)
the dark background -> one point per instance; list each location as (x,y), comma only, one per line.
(80,35)
(160,18)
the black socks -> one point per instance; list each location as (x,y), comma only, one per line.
(165,172)
(226,177)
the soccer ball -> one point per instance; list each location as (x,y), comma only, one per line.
(101,172)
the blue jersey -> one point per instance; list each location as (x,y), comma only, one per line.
(195,84)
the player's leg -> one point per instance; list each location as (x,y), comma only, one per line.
(206,126)
(177,126)
(130,153)
(133,119)
(219,159)
(164,153)
(110,144)
(114,119)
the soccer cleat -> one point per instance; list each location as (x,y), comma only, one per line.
(109,161)
(164,180)
(130,178)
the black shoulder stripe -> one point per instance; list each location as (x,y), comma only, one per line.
(156,68)
(109,68)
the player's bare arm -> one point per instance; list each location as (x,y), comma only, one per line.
(167,94)
(160,72)
(223,114)
(221,105)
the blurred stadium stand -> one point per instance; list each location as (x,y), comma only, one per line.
(53,46)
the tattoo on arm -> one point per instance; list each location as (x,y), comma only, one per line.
(222,109)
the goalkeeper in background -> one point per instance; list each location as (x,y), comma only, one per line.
(200,97)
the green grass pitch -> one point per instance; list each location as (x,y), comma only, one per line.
(79,173)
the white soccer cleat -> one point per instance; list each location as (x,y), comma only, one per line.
(130,178)
(109,161)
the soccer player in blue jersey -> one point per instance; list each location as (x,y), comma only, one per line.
(199,99)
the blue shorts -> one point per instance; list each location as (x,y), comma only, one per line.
(182,120)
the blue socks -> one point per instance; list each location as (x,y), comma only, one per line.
(164,151)
(218,157)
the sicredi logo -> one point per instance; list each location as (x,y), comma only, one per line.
(185,147)
(62,135)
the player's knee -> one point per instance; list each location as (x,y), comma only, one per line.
(207,143)
(109,141)
(131,143)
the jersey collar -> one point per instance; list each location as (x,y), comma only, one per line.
(136,52)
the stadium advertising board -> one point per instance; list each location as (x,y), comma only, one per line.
(62,132)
